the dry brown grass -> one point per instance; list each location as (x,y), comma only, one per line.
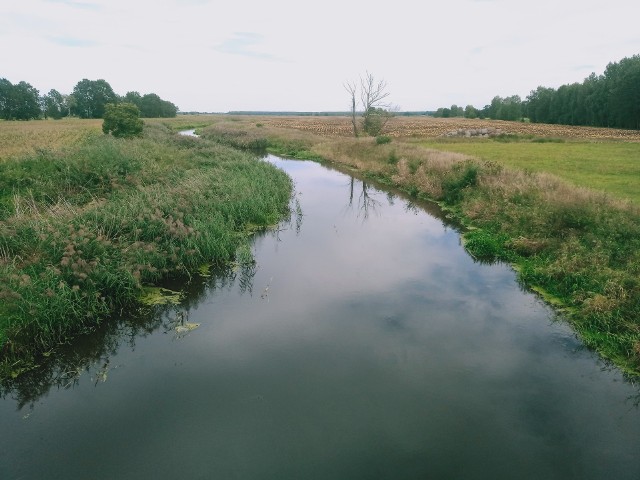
(22,138)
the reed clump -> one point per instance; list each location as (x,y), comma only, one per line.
(237,133)
(82,229)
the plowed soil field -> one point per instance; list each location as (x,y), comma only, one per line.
(436,127)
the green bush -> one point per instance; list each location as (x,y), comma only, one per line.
(382,139)
(459,179)
(122,120)
(484,246)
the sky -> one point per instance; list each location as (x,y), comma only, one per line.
(291,55)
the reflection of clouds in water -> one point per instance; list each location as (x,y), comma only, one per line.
(409,267)
(379,341)
(400,282)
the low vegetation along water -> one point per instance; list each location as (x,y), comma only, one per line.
(364,342)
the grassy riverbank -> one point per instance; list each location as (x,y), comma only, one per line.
(579,248)
(612,167)
(85,224)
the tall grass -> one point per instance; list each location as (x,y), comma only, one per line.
(280,141)
(84,228)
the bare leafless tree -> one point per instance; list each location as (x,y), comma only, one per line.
(376,111)
(353,90)
(372,94)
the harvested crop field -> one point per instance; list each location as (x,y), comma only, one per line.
(19,138)
(437,127)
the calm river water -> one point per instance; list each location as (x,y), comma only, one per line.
(364,344)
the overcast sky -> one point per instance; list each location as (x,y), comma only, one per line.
(214,55)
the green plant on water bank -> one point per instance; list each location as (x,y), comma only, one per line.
(113,216)
(229,133)
(185,122)
(460,177)
(286,143)
(485,247)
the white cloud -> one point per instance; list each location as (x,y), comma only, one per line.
(242,43)
(290,55)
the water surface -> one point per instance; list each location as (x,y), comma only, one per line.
(364,343)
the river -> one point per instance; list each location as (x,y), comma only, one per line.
(364,343)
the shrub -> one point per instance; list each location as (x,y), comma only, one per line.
(483,246)
(457,181)
(382,139)
(122,120)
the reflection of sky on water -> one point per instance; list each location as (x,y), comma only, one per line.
(368,348)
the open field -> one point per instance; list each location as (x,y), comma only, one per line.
(436,127)
(21,138)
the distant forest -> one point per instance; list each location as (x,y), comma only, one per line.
(88,99)
(608,100)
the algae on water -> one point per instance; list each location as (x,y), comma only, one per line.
(160,296)
(186,327)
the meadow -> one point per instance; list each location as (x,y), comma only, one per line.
(607,166)
(87,221)
(565,215)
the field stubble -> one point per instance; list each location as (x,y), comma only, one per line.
(402,127)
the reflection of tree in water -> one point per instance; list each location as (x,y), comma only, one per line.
(411,207)
(299,215)
(245,278)
(391,198)
(70,362)
(366,203)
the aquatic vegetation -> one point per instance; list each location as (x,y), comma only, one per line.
(159,296)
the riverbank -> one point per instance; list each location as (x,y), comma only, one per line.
(578,248)
(84,226)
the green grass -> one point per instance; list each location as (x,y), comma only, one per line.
(83,229)
(611,167)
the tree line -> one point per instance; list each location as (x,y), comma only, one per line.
(608,100)
(89,99)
